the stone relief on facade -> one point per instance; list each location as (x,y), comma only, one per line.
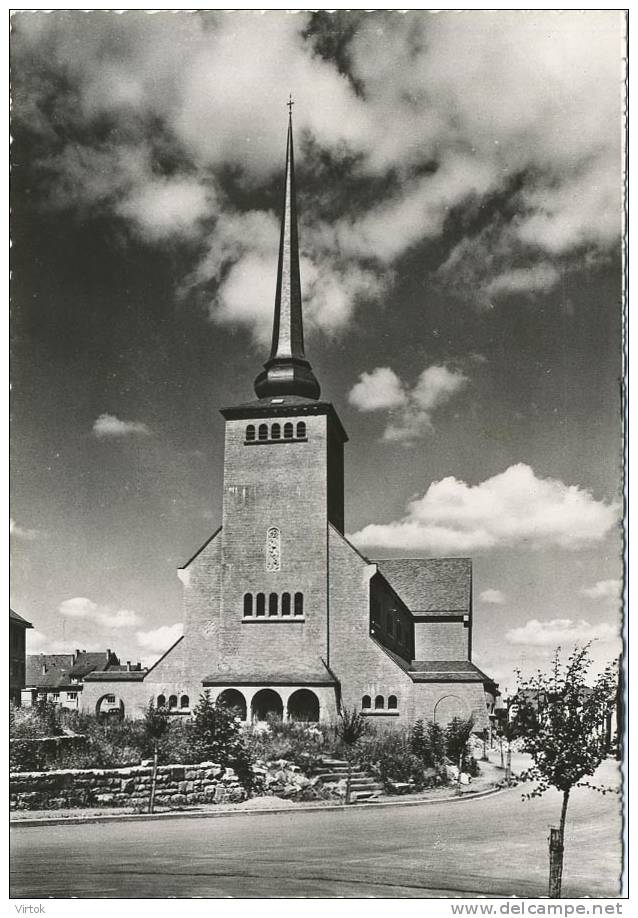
(273,549)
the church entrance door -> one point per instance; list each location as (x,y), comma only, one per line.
(303,705)
(267,703)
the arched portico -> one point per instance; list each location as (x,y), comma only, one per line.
(303,705)
(234,700)
(266,703)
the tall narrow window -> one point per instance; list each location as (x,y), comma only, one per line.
(298,603)
(275,432)
(289,431)
(261,604)
(184,701)
(285,604)
(273,549)
(263,431)
(250,432)
(378,702)
(161,701)
(301,429)
(273,602)
(172,702)
(248,604)
(366,702)
(392,703)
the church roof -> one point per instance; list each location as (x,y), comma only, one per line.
(319,676)
(18,620)
(431,585)
(447,671)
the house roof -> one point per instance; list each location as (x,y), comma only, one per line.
(430,585)
(57,667)
(61,669)
(18,620)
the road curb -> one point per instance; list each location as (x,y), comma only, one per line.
(218,814)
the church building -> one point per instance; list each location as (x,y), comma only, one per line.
(282,615)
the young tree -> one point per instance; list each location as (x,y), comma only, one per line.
(216,735)
(419,743)
(155,726)
(435,739)
(350,727)
(559,718)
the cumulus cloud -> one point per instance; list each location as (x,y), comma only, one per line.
(492,597)
(22,532)
(560,631)
(377,390)
(85,610)
(604,589)
(193,103)
(515,507)
(158,640)
(107,425)
(411,408)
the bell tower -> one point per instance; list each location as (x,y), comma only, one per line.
(283,486)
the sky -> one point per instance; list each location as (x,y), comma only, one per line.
(459,182)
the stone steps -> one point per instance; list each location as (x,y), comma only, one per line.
(362,785)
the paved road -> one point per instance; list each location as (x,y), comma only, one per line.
(495,846)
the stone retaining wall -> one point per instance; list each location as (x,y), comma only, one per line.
(177,785)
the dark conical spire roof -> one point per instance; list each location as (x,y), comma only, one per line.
(287,372)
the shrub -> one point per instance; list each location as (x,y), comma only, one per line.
(303,744)
(215,735)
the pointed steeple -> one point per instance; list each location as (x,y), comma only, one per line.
(287,372)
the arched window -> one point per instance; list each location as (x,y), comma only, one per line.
(172,702)
(261,604)
(392,703)
(378,702)
(366,702)
(275,432)
(301,429)
(250,432)
(298,603)
(248,603)
(273,602)
(184,701)
(285,604)
(263,431)
(289,431)
(161,701)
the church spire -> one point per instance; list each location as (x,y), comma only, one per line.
(287,372)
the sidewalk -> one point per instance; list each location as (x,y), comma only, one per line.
(482,786)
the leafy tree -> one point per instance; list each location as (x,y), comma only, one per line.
(508,731)
(350,727)
(559,719)
(155,726)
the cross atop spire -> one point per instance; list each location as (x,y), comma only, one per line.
(290,104)
(287,372)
